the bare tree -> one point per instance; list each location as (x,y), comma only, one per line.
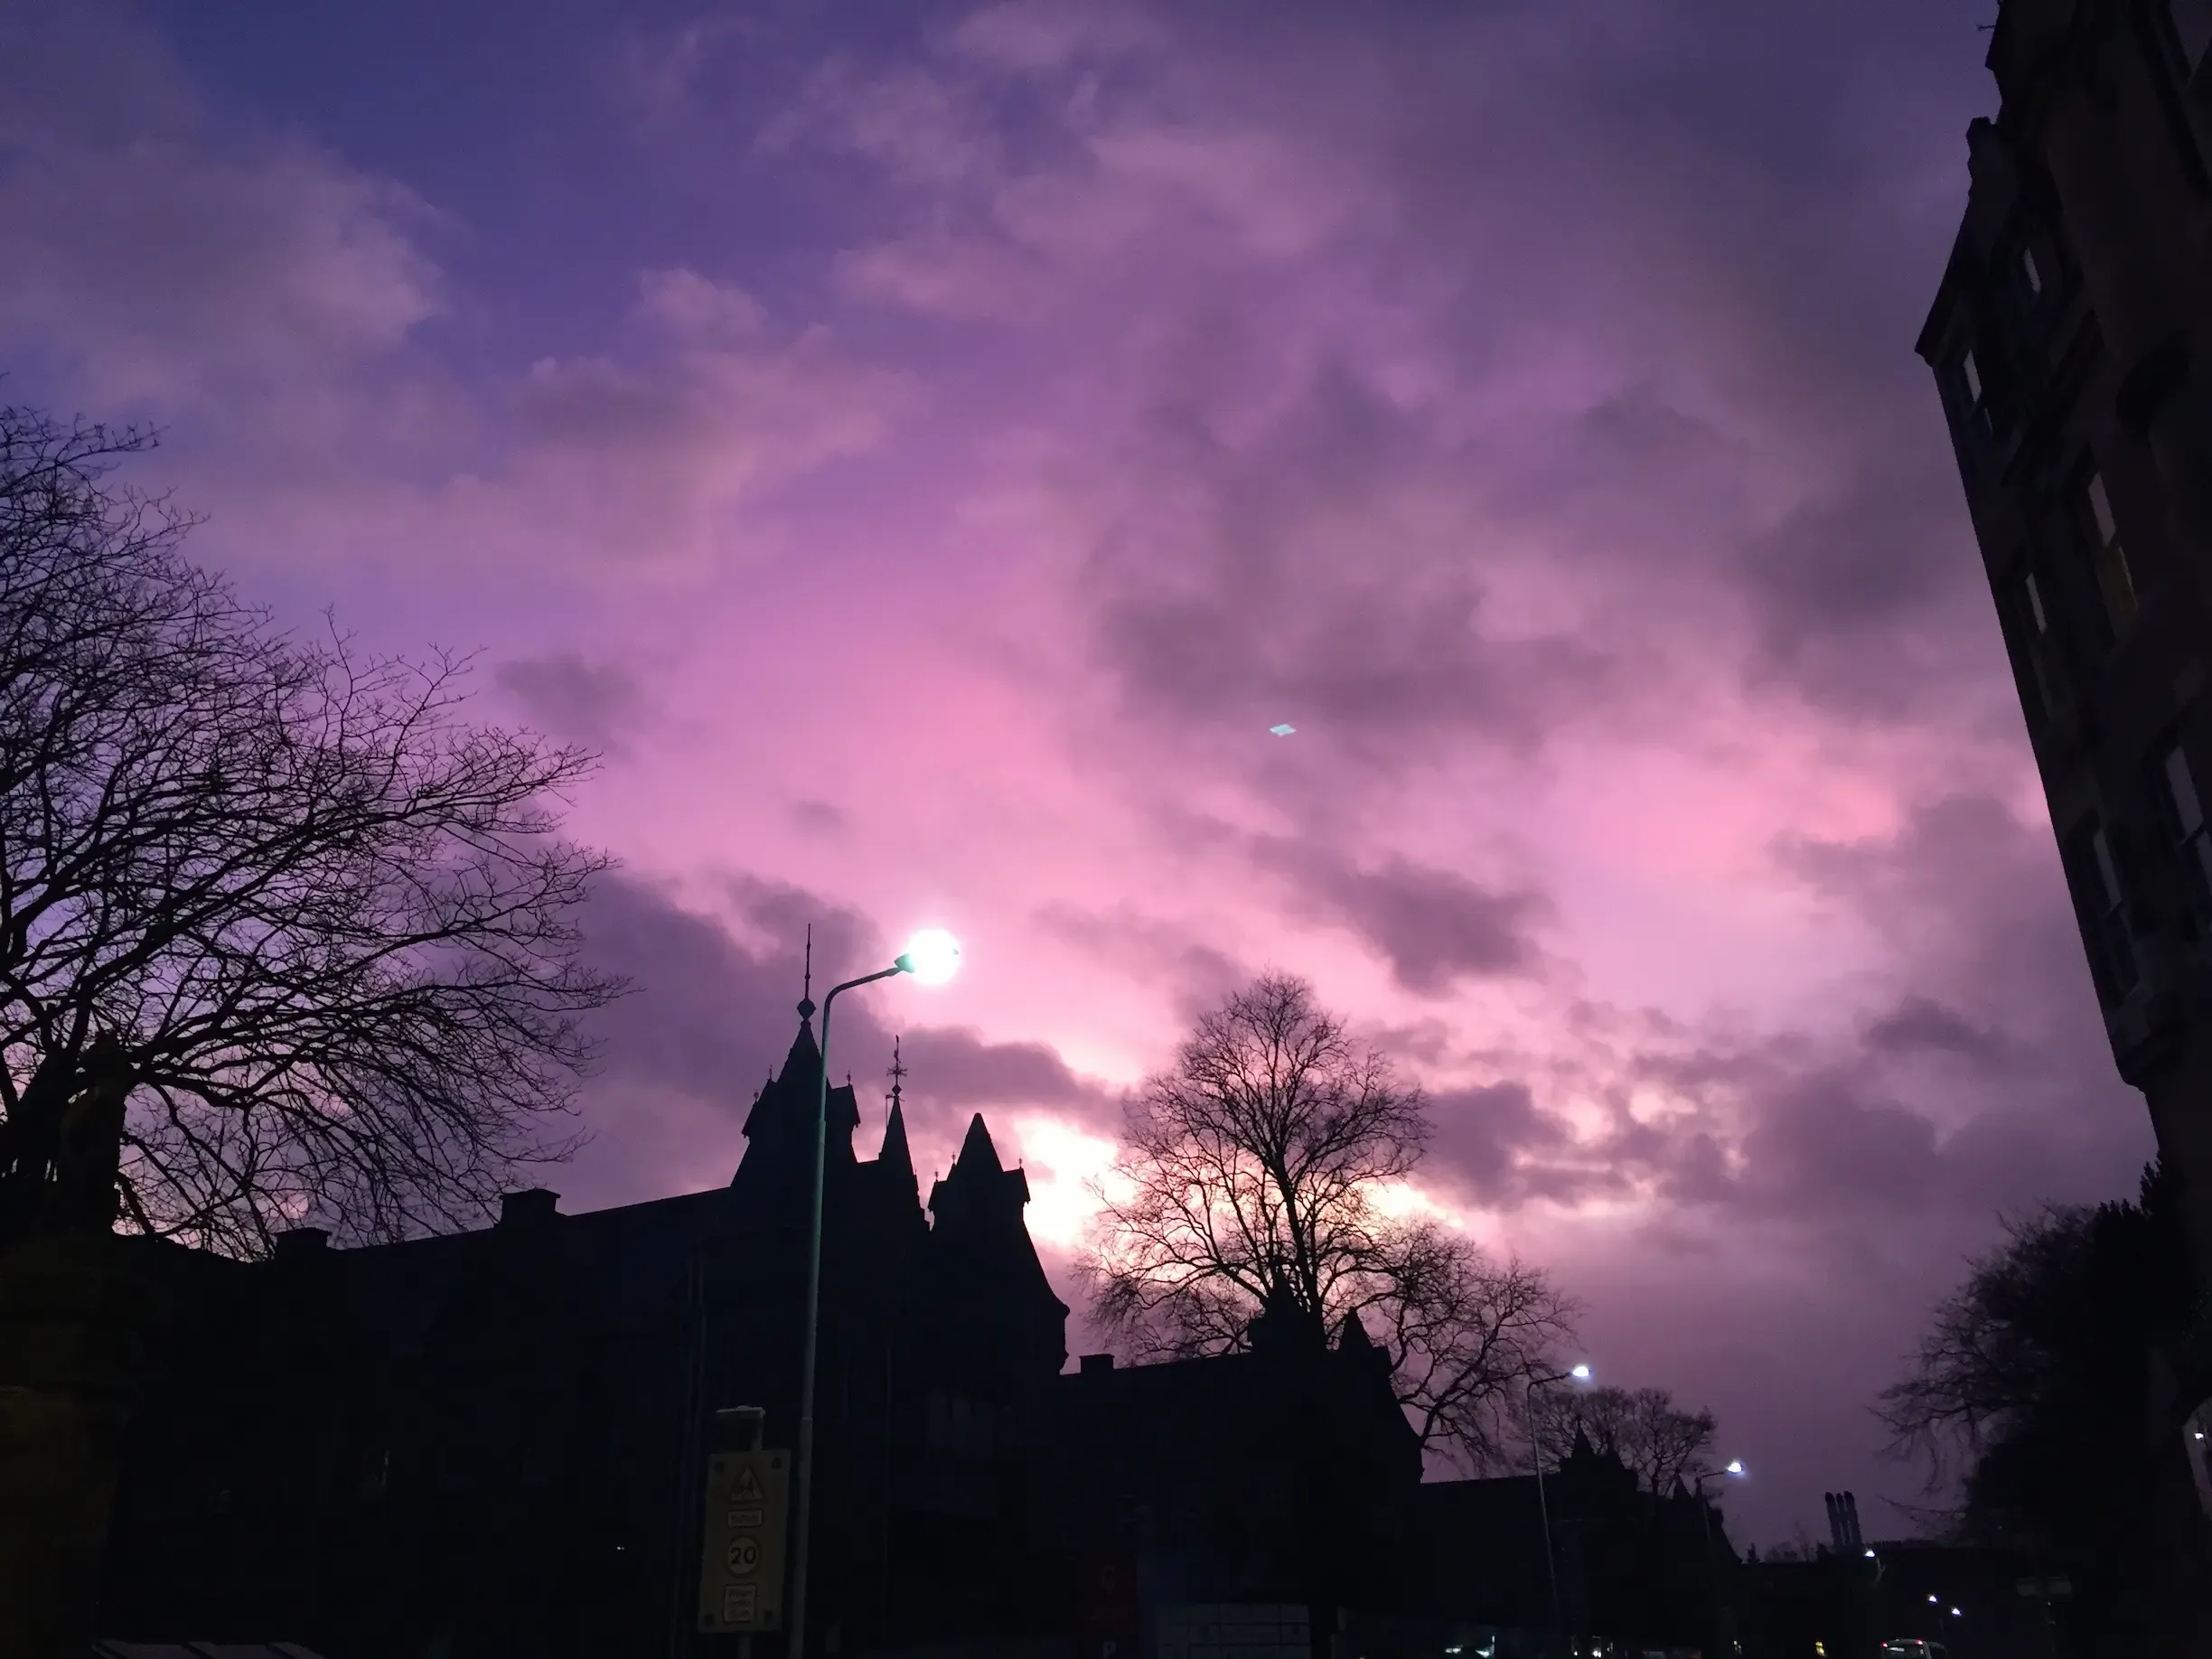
(1248,1180)
(321,923)
(2037,1386)
(1643,1427)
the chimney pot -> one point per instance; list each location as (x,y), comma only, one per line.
(1094,1362)
(302,1242)
(528,1209)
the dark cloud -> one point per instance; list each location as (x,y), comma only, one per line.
(1272,578)
(1487,1140)
(1920,1024)
(598,705)
(1435,927)
(1195,974)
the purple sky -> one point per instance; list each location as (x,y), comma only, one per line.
(927,447)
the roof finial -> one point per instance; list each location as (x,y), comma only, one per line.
(898,1070)
(806,988)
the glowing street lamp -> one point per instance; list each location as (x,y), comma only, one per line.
(1577,1374)
(932,957)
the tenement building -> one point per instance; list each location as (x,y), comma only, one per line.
(2071,340)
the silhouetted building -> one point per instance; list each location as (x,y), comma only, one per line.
(1850,1602)
(1650,1570)
(1284,1475)
(494,1443)
(2072,342)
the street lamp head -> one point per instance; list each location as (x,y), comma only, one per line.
(933,956)
(1735,1466)
(1580,1374)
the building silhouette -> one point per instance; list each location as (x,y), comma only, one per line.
(2071,340)
(494,1443)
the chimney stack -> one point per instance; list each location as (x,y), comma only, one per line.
(1843,1523)
(302,1242)
(532,1208)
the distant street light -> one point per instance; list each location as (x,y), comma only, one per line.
(932,956)
(1734,1468)
(1577,1374)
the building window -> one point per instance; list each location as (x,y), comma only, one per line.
(2185,820)
(2028,626)
(2028,270)
(1971,374)
(2114,576)
(2094,874)
(2192,23)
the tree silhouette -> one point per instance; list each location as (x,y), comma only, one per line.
(2033,1380)
(320,923)
(1643,1427)
(1249,1178)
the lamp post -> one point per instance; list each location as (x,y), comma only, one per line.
(1579,1374)
(931,956)
(1734,1469)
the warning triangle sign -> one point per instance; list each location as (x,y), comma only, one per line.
(746,1487)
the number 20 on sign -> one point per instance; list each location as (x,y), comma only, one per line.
(741,1565)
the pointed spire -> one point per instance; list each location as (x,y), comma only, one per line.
(976,1153)
(806,985)
(895,1152)
(898,1075)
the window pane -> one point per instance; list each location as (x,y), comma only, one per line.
(2193,22)
(2028,265)
(1974,377)
(2184,789)
(2106,870)
(2119,584)
(2100,508)
(2034,605)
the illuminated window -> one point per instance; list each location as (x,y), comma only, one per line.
(2114,576)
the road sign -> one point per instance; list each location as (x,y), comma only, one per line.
(741,1565)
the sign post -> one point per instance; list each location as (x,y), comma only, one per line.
(741,1568)
(1110,1612)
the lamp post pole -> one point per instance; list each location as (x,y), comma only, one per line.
(813,1322)
(1712,1589)
(1543,1508)
(939,953)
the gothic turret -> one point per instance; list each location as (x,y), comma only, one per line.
(779,1156)
(895,1194)
(986,1261)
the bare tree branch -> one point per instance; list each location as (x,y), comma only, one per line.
(327,919)
(1247,1179)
